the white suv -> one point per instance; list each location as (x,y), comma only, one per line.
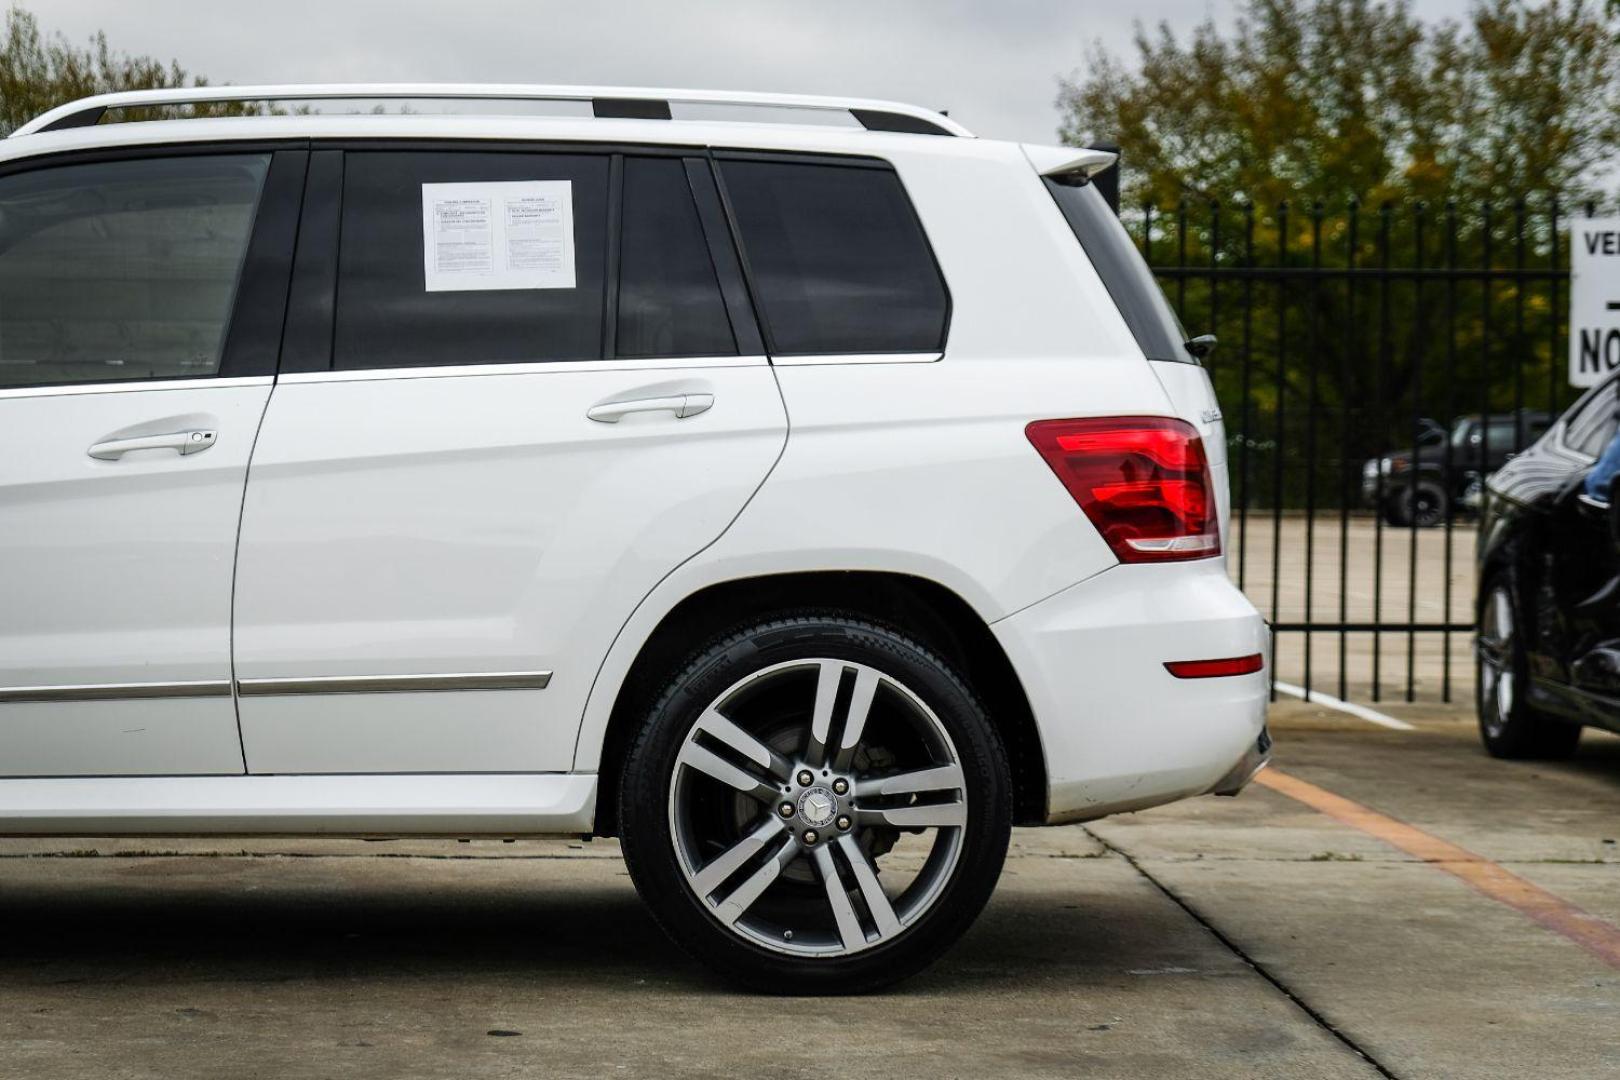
(801,490)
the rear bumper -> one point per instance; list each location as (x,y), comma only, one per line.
(1118,731)
(1247,768)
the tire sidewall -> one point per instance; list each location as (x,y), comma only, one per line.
(644,800)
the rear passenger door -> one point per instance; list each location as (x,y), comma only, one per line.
(141,299)
(519,387)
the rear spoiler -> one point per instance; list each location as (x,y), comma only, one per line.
(1071,161)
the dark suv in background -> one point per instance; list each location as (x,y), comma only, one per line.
(1417,485)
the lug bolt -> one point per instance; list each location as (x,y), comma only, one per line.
(805,778)
(786,809)
(810,836)
(843,821)
(841,787)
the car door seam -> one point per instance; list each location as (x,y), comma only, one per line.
(590,694)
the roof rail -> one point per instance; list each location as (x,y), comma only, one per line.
(606,101)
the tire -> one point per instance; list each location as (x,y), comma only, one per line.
(740,885)
(1395,509)
(1422,503)
(1509,725)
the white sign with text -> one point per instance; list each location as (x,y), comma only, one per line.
(498,235)
(1594,299)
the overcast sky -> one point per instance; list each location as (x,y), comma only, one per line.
(992,63)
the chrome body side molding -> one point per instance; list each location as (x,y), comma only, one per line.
(394,684)
(340,684)
(114,691)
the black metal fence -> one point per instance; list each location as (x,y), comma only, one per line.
(1373,365)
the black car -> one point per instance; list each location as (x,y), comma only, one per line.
(1548,652)
(1416,485)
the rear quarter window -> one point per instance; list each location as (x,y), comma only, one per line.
(838,258)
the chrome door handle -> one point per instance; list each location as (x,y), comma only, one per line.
(682,405)
(185,442)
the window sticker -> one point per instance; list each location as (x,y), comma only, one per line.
(501,235)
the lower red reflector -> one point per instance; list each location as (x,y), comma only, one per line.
(1210,669)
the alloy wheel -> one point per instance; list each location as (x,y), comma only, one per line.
(817,807)
(1427,507)
(1496,645)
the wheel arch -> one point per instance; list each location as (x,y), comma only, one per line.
(934,614)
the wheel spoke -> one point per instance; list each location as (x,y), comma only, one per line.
(883,916)
(827,679)
(849,924)
(940,778)
(706,761)
(860,703)
(714,875)
(1500,624)
(745,744)
(930,815)
(732,907)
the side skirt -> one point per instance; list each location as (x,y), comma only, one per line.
(1574,704)
(474,804)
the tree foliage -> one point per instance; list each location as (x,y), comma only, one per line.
(1340,99)
(39,72)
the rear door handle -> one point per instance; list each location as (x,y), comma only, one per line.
(185,442)
(682,405)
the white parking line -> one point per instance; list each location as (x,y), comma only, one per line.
(1316,697)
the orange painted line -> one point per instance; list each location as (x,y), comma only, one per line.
(1597,936)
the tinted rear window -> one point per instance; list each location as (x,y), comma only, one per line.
(838,258)
(1123,271)
(386,317)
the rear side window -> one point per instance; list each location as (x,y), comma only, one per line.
(387,316)
(838,258)
(122,270)
(1123,271)
(669,296)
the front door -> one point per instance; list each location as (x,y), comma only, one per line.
(537,391)
(129,400)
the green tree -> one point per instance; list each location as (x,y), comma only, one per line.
(1340,99)
(1351,134)
(39,72)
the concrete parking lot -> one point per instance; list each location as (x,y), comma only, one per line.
(1248,937)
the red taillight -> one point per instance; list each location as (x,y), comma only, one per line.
(1142,480)
(1211,669)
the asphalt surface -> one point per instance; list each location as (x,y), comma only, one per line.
(1248,937)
